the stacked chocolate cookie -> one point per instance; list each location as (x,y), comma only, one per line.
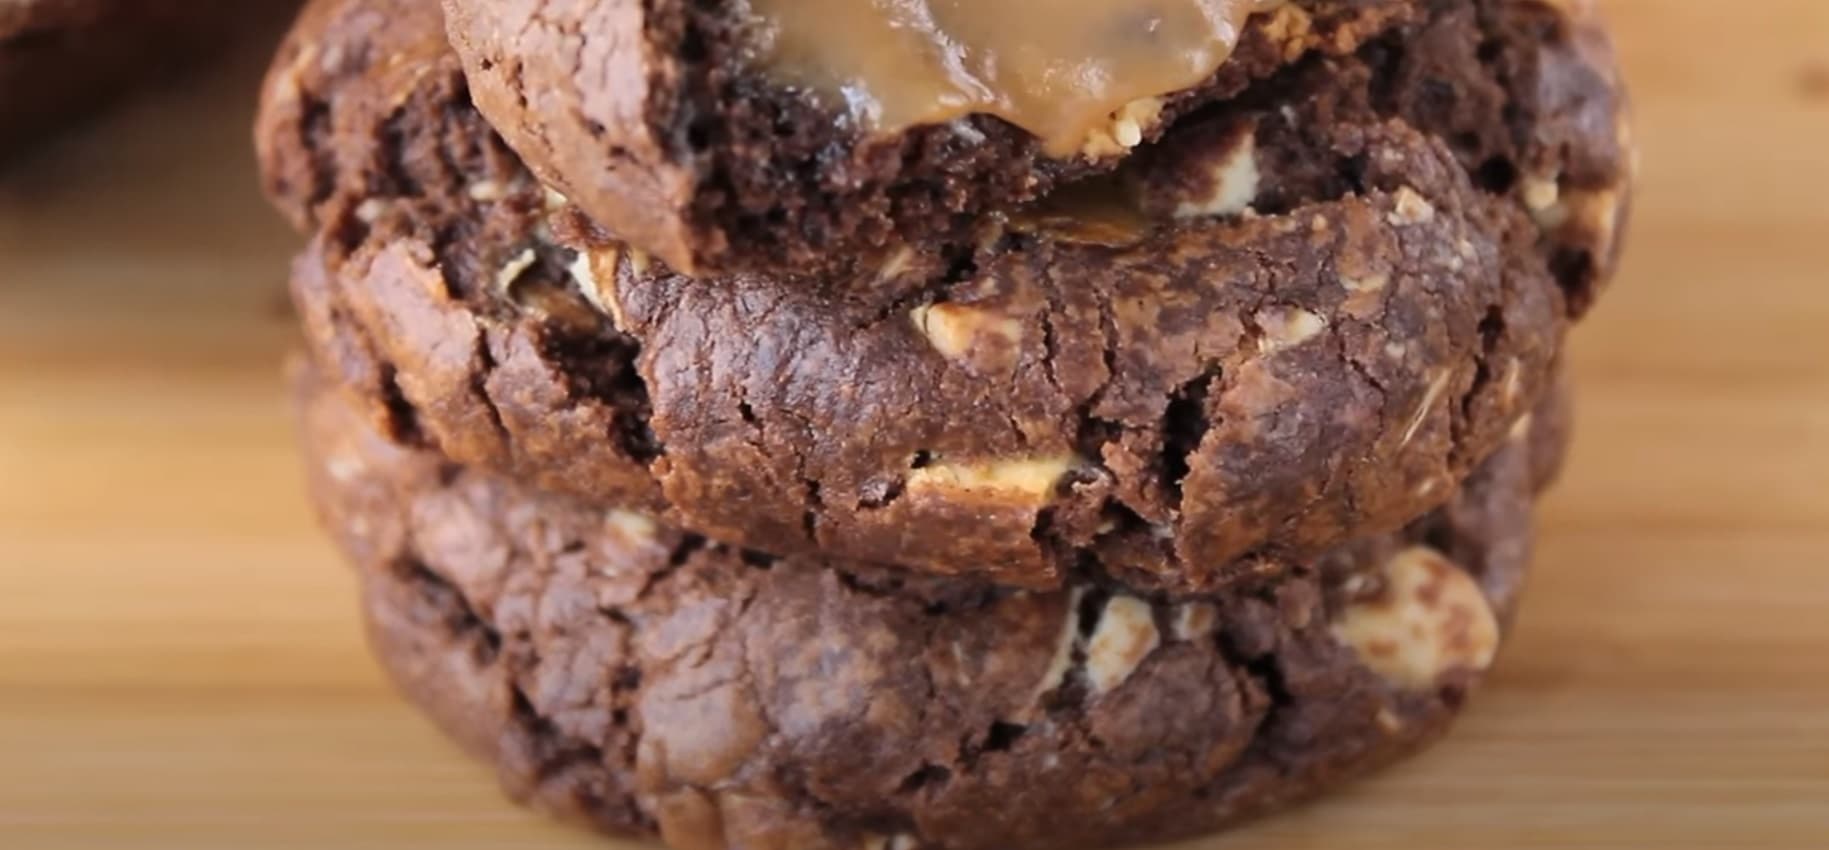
(772,426)
(60,59)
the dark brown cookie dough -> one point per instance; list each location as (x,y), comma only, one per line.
(1544,120)
(1324,365)
(59,59)
(654,119)
(657,120)
(1526,94)
(644,681)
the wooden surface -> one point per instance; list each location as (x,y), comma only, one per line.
(179,660)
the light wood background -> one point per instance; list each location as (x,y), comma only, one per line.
(179,660)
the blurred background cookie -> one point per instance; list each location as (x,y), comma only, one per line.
(63,59)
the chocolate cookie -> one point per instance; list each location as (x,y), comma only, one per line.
(62,58)
(1141,373)
(646,681)
(773,135)
(770,135)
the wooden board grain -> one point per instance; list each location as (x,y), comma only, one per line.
(180,665)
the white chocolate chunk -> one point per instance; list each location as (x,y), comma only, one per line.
(1411,208)
(1235,183)
(511,271)
(1125,636)
(1030,479)
(1287,327)
(1195,621)
(959,330)
(1431,620)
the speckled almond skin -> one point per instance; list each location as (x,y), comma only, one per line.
(645,682)
(1186,407)
(60,59)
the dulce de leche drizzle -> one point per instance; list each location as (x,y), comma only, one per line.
(1060,69)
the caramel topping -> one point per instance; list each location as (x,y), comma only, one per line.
(1065,70)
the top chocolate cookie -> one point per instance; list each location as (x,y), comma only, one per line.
(787,136)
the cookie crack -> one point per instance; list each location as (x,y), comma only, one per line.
(684,550)
(1491,329)
(1186,421)
(479,388)
(402,423)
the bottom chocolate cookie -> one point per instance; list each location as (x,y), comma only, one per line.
(649,682)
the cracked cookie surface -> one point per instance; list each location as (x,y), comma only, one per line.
(1163,398)
(646,681)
